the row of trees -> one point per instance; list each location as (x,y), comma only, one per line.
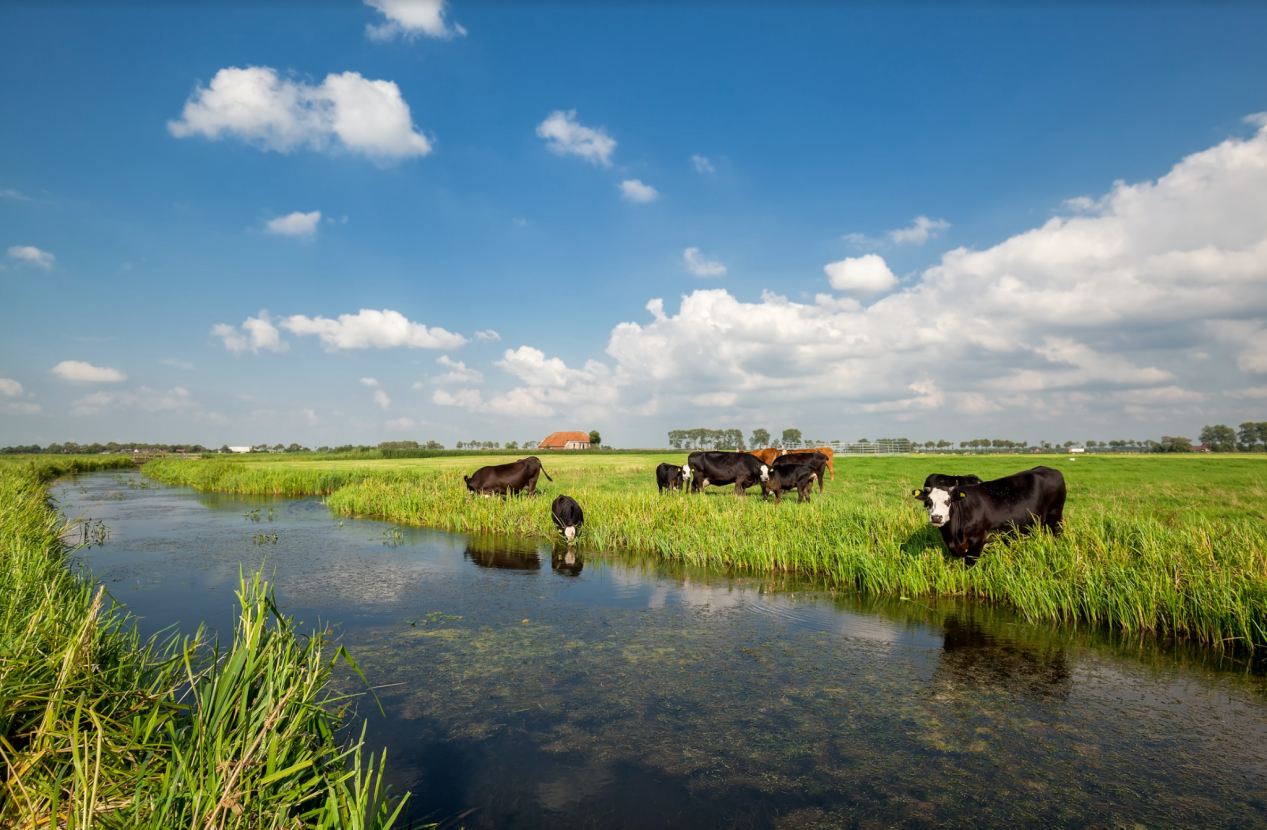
(95,449)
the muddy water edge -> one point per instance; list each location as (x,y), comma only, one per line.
(526,687)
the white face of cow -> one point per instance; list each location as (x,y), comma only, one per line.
(938,506)
(569,533)
(686,473)
(765,473)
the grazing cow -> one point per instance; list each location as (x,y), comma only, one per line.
(816,461)
(671,476)
(825,451)
(966,513)
(567,516)
(785,477)
(767,455)
(502,479)
(716,467)
(567,562)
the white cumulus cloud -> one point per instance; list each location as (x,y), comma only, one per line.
(920,231)
(31,255)
(633,190)
(487,334)
(867,274)
(10,388)
(400,424)
(295,224)
(176,399)
(370,329)
(257,333)
(410,18)
(343,112)
(458,372)
(700,266)
(565,137)
(380,398)
(82,372)
(370,382)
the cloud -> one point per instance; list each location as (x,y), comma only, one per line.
(867,274)
(176,399)
(1092,314)
(410,18)
(344,112)
(370,382)
(21,408)
(295,224)
(257,333)
(10,193)
(400,424)
(179,364)
(565,137)
(81,372)
(380,398)
(919,232)
(487,334)
(701,267)
(10,388)
(31,255)
(458,372)
(701,164)
(369,329)
(633,190)
(550,388)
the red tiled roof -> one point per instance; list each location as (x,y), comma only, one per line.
(560,439)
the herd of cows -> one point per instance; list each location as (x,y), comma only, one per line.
(964,508)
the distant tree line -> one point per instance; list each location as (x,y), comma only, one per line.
(93,449)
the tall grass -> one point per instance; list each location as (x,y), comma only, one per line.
(100,728)
(1138,553)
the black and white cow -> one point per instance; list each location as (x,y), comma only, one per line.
(785,477)
(503,479)
(671,476)
(968,512)
(568,517)
(816,461)
(716,467)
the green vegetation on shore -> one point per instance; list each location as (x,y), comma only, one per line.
(1176,546)
(100,728)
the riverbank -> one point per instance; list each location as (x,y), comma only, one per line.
(103,729)
(1174,546)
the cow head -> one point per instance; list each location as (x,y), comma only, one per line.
(686,473)
(765,473)
(938,502)
(569,533)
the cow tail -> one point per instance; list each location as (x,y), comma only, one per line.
(547,475)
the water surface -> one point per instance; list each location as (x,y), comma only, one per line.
(525,687)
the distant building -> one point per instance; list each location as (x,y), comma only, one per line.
(565,441)
(1201,448)
(239,449)
(1077,449)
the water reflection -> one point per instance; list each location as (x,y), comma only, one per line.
(503,552)
(973,658)
(566,562)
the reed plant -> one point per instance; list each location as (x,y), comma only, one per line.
(1172,548)
(101,728)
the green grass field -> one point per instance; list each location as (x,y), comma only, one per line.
(1174,545)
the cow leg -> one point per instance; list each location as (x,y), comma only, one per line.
(832,468)
(820,481)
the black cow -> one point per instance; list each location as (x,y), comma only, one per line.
(671,476)
(966,513)
(501,479)
(568,517)
(816,461)
(715,467)
(784,477)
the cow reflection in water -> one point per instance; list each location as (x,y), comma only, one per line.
(567,562)
(975,659)
(506,553)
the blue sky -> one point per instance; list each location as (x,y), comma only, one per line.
(860,221)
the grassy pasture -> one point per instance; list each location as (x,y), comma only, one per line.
(1174,545)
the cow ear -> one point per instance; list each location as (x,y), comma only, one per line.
(917,493)
(962,494)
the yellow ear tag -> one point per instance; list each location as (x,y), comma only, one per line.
(915,493)
(962,494)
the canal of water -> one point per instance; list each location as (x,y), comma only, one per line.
(526,687)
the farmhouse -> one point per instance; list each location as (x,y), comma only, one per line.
(565,441)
